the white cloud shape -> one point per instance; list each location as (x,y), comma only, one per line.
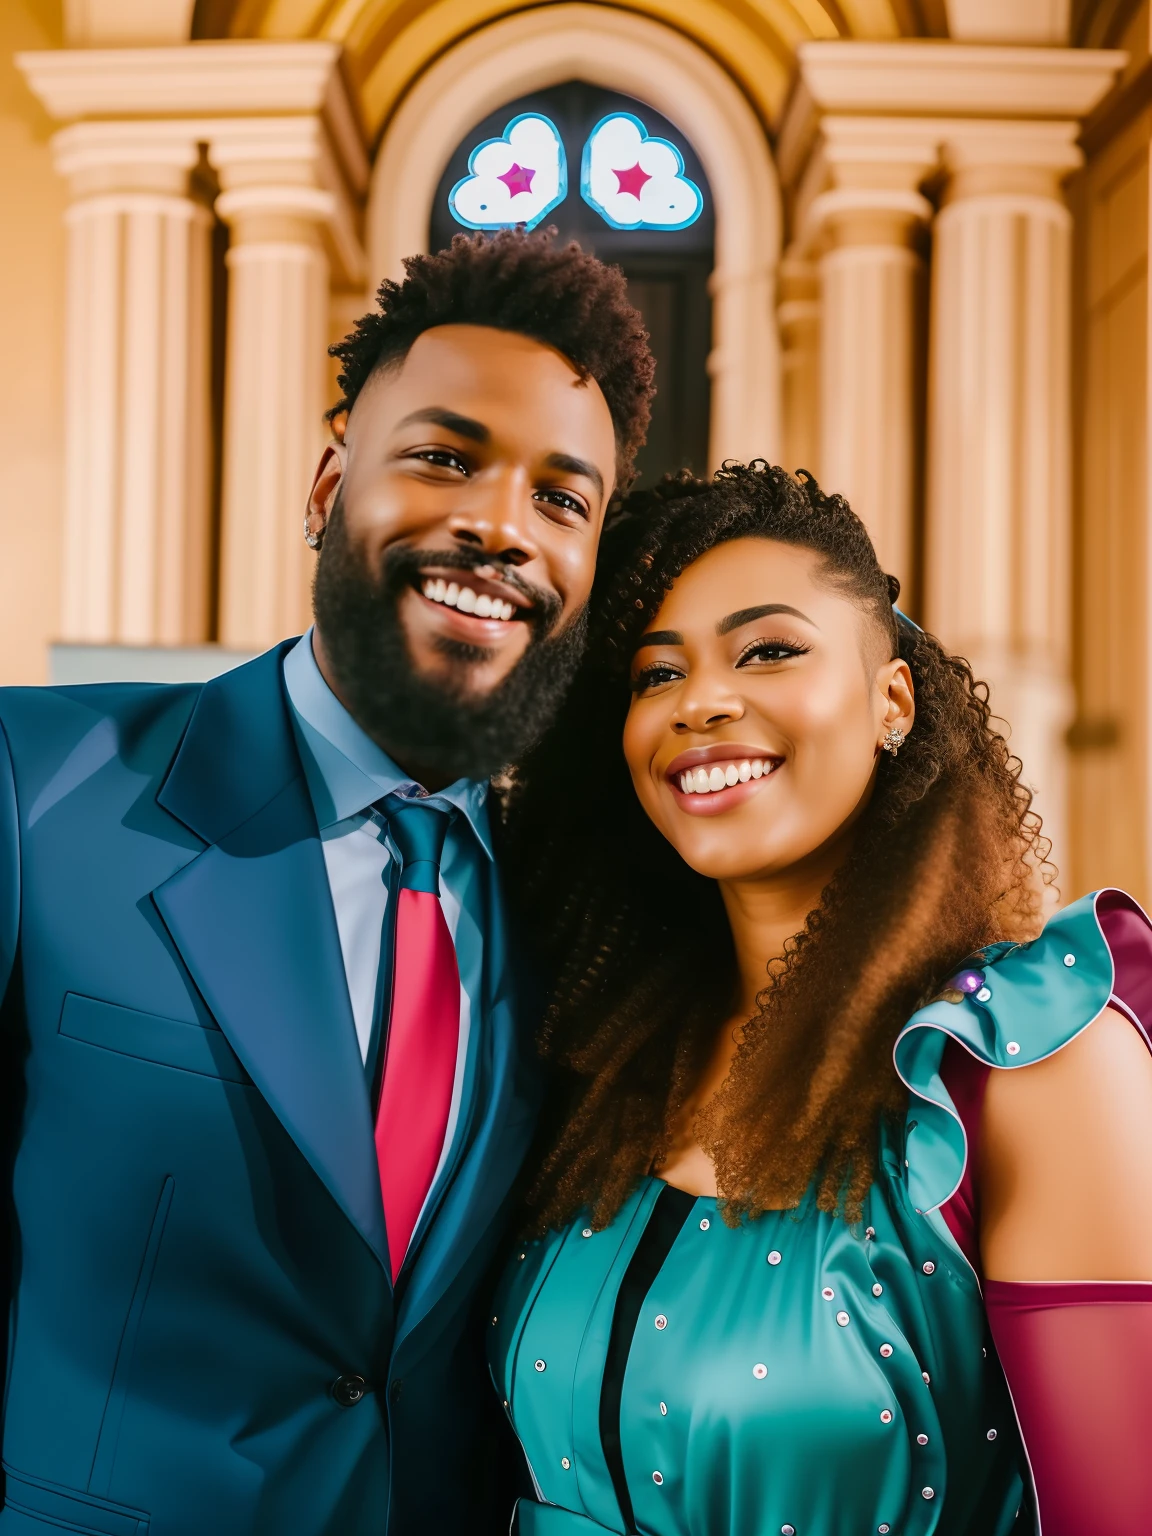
(635,182)
(515,179)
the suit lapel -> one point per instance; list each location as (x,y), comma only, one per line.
(252,918)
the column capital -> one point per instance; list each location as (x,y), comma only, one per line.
(1026,159)
(922,83)
(273,115)
(99,157)
(861,185)
(278,176)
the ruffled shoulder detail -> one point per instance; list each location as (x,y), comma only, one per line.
(1012,1005)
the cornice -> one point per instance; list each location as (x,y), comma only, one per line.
(204,79)
(930,78)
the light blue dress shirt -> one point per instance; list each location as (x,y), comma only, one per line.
(347,773)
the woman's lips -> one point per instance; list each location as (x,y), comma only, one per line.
(708,780)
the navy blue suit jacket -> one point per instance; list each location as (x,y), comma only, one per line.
(196,1240)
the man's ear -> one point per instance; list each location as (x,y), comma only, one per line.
(325,484)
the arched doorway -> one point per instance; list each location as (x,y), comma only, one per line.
(667,268)
(613,50)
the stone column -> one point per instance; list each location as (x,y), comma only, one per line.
(293,232)
(136,428)
(798,316)
(1000,433)
(284,136)
(276,378)
(868,225)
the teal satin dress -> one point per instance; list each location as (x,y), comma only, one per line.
(797,1375)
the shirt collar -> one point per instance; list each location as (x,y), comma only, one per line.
(346,771)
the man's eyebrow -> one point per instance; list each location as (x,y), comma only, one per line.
(462,426)
(747,615)
(660,637)
(571,466)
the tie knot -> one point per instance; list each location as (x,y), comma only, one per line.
(418,830)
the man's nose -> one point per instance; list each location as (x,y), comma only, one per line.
(499,517)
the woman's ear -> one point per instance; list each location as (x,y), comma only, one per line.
(896,699)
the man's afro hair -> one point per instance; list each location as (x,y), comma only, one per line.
(523,282)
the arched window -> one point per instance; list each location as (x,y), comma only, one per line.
(612,173)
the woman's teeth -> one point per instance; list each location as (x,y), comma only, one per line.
(467,599)
(705,781)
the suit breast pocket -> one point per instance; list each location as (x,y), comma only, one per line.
(150,1037)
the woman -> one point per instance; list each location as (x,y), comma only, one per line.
(830,1104)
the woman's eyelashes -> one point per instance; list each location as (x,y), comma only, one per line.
(772,651)
(768,652)
(654,676)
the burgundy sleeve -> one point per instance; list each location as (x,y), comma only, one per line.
(1078,1361)
(1077,1357)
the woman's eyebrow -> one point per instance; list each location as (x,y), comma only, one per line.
(660,637)
(746,616)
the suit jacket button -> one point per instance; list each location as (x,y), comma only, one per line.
(348,1390)
(395,1390)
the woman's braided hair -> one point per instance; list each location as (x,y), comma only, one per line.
(947,858)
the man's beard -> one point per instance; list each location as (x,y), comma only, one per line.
(441,729)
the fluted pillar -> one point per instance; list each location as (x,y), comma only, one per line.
(276,378)
(137,448)
(282,132)
(867,226)
(999,539)
(798,316)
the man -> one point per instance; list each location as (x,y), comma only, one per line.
(267,1089)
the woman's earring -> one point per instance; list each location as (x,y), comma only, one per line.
(893,741)
(313,540)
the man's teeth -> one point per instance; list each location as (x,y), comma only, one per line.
(704,781)
(467,599)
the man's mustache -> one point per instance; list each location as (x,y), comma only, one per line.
(402,566)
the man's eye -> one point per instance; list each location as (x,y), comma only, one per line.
(563,501)
(654,676)
(442,458)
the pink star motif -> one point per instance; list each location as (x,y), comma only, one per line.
(517,178)
(632,180)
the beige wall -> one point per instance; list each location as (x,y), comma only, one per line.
(31,331)
(1111,560)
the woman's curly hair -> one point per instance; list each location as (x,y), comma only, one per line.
(525,282)
(947,858)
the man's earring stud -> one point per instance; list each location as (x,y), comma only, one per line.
(893,741)
(313,540)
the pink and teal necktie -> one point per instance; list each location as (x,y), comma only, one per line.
(423,1026)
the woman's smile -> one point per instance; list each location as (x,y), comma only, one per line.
(706,781)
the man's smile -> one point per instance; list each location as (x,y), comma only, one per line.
(477,592)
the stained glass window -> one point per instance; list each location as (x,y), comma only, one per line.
(515,179)
(634,181)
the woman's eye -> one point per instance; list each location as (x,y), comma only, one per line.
(442,458)
(654,677)
(562,500)
(772,650)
